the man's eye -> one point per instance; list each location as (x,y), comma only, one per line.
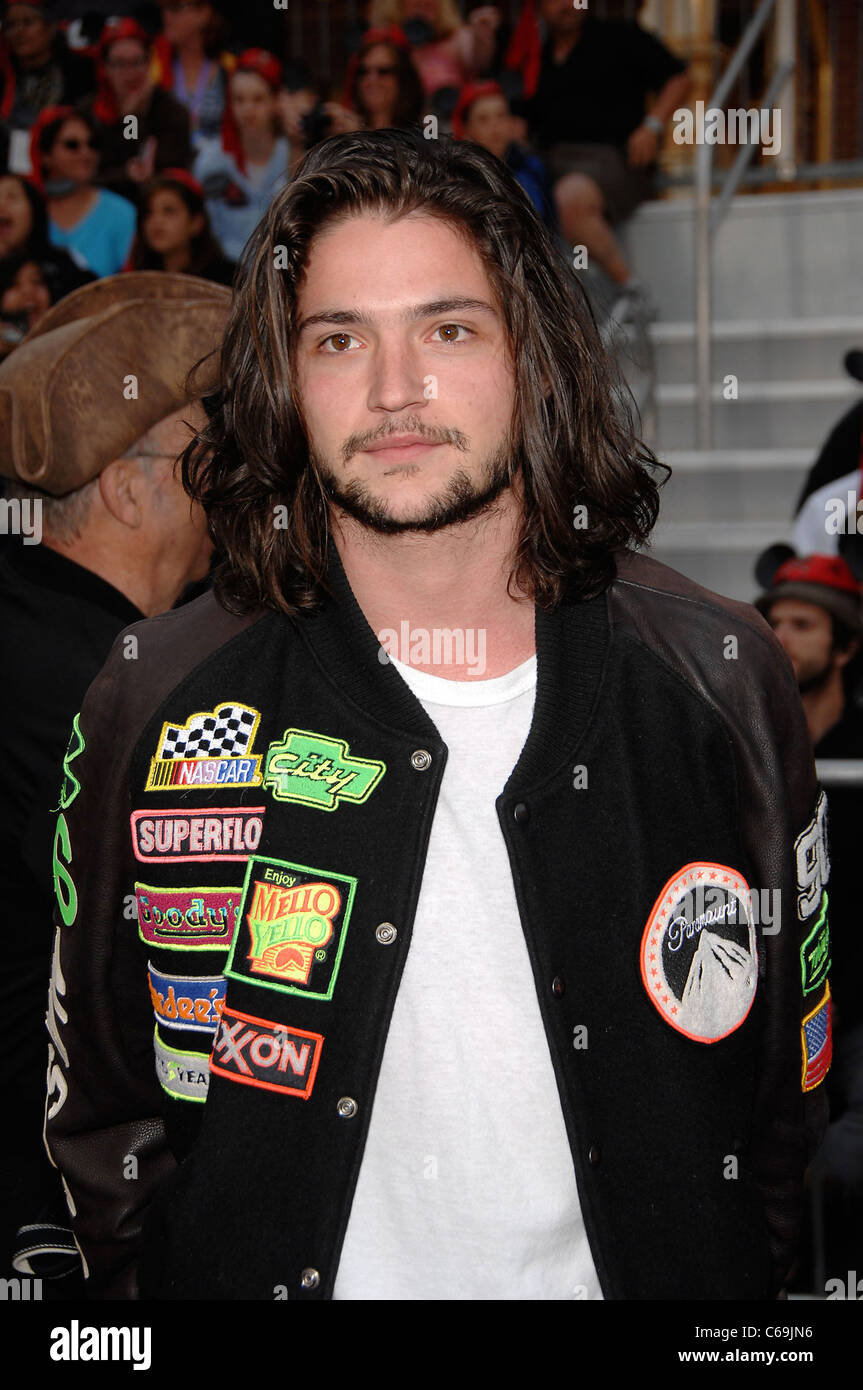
(340,340)
(450,329)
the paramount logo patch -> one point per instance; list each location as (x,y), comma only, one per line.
(212,748)
(293,925)
(698,955)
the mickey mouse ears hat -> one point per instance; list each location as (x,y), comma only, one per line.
(826,580)
(66,404)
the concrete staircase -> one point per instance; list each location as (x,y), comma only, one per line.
(787,305)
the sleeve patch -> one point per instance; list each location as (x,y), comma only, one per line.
(812,859)
(815,951)
(817,1041)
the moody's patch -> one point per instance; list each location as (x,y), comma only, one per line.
(187,919)
(292,928)
(222,832)
(184,1075)
(258,1052)
(212,748)
(698,956)
(817,1039)
(317,770)
(187,1001)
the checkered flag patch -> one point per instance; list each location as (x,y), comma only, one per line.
(224,732)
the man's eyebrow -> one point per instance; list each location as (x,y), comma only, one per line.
(455,304)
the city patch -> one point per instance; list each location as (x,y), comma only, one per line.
(699,962)
(316,771)
(292,928)
(184,1075)
(213,748)
(817,1038)
(815,951)
(187,919)
(223,832)
(187,1001)
(271,1056)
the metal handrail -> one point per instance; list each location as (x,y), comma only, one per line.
(705,227)
(839,772)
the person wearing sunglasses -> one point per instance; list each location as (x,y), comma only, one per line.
(383,88)
(95,225)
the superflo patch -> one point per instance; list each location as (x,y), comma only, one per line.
(222,832)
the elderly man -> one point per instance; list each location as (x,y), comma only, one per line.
(93,413)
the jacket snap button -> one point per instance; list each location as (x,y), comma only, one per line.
(386,933)
(593,1154)
(557,986)
(309,1279)
(521,813)
(347,1107)
(421,760)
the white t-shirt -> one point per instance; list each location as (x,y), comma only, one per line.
(467,1188)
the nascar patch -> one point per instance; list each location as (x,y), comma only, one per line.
(699,962)
(817,1039)
(316,770)
(815,951)
(187,919)
(223,832)
(184,1075)
(271,1056)
(292,928)
(192,1002)
(213,748)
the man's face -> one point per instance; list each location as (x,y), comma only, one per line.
(408,340)
(806,633)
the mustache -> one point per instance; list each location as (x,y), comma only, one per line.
(442,434)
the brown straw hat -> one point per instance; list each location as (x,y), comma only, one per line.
(67,404)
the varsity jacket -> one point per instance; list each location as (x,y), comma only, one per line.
(238,855)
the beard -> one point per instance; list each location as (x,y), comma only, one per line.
(813,680)
(461,499)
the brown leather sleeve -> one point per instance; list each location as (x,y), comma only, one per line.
(104,1129)
(750,684)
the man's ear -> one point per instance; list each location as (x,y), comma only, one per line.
(848,653)
(121,485)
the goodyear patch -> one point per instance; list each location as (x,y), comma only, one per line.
(223,832)
(699,963)
(271,1056)
(292,928)
(212,749)
(187,919)
(817,1040)
(316,770)
(192,1002)
(184,1075)
(815,951)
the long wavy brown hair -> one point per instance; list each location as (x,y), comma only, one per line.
(574,434)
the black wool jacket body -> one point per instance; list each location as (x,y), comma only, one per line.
(239,852)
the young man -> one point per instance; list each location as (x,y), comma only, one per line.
(458,988)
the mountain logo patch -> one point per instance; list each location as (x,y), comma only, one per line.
(699,962)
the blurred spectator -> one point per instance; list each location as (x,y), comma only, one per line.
(305,116)
(95,225)
(382,85)
(824,504)
(174,231)
(190,61)
(37,69)
(126,88)
(813,606)
(447,52)
(589,122)
(482,114)
(24,227)
(29,285)
(241,172)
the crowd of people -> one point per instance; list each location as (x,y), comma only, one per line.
(158,141)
